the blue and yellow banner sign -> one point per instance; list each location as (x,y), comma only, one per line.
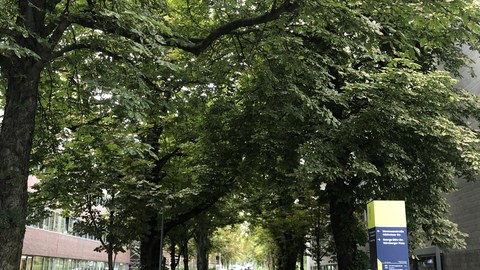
(387,232)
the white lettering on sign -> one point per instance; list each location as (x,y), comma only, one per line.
(393,237)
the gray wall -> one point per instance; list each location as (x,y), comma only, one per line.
(465,202)
(462,260)
(465,211)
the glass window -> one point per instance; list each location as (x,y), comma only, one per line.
(29,263)
(47,263)
(53,225)
(49,223)
(37,263)
(55,222)
(90,265)
(41,223)
(58,264)
(70,223)
(67,264)
(100,266)
(426,263)
(81,265)
(46,223)
(75,264)
(61,224)
(23,263)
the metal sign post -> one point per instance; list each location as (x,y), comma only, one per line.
(387,232)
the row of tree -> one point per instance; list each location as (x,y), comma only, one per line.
(145,118)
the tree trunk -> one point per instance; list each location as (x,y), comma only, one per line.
(173,255)
(203,246)
(16,136)
(271,260)
(301,254)
(317,251)
(150,247)
(110,259)
(185,255)
(111,237)
(149,253)
(344,224)
(288,248)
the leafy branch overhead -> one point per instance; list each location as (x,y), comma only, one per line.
(288,114)
(43,29)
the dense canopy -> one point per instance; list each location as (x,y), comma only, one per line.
(286,115)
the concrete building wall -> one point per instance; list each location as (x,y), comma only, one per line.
(465,202)
(465,211)
(462,260)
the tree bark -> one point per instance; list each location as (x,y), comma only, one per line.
(150,237)
(288,248)
(173,254)
(317,251)
(150,256)
(344,224)
(301,254)
(185,255)
(111,237)
(110,259)
(203,246)
(16,136)
(150,247)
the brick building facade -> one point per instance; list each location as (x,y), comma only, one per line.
(51,245)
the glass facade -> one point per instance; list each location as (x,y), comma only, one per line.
(48,263)
(324,267)
(58,223)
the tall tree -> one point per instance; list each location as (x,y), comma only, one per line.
(97,179)
(382,92)
(35,33)
(341,60)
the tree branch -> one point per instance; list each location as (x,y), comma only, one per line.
(92,121)
(213,196)
(69,48)
(94,20)
(93,219)
(50,27)
(51,4)
(7,32)
(161,162)
(107,24)
(97,47)
(200,45)
(58,31)
(3,61)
